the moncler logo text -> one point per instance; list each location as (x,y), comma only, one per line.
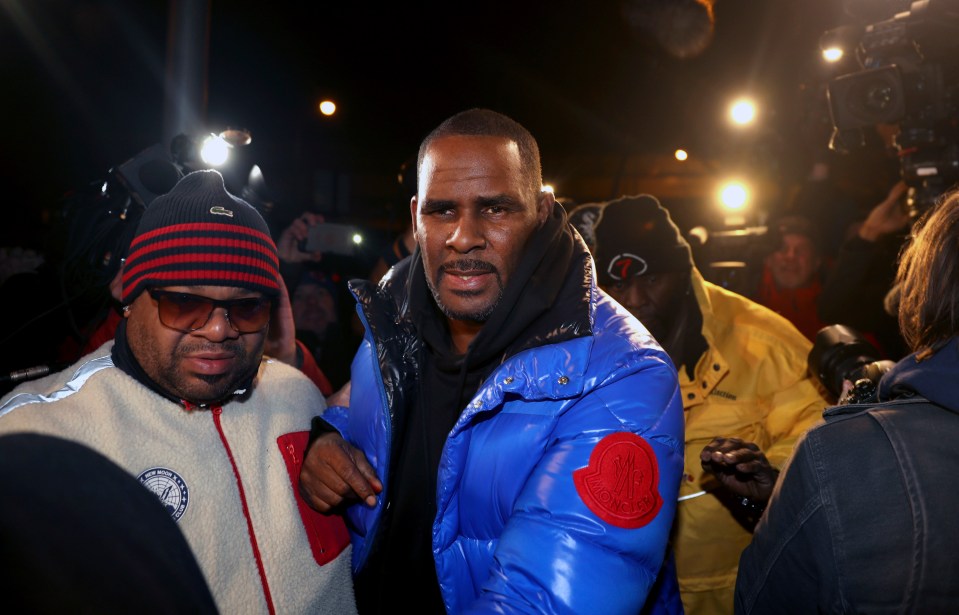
(621,483)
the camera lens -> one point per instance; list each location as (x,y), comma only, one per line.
(867,98)
(840,353)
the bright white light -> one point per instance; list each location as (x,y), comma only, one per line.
(681,155)
(548,188)
(742,111)
(357,238)
(327,107)
(214,150)
(733,195)
(832,54)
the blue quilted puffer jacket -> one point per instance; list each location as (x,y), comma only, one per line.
(557,486)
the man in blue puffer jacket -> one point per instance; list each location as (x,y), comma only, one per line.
(513,440)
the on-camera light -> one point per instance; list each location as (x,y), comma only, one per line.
(214,150)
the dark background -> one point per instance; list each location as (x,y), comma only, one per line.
(608,102)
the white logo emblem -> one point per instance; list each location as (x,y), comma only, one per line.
(169,487)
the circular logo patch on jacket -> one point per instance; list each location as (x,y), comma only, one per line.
(621,483)
(169,487)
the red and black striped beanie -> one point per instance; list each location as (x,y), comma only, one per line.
(198,234)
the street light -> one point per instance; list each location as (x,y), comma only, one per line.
(327,107)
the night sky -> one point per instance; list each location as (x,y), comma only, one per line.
(83,87)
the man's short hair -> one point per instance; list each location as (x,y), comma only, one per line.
(487,123)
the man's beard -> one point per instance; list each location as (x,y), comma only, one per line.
(221,386)
(481,315)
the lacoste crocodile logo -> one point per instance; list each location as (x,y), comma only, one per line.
(621,483)
(219,210)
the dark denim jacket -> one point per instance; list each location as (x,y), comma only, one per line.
(864,517)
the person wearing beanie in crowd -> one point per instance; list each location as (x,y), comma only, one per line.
(190,399)
(745,387)
(495,455)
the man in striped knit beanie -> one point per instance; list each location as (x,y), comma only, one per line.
(184,399)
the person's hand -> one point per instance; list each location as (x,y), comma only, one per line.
(335,473)
(281,338)
(289,244)
(887,217)
(847,386)
(741,468)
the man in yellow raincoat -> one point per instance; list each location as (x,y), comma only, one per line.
(746,389)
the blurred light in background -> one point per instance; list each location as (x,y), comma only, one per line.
(733,199)
(733,195)
(742,111)
(548,188)
(357,238)
(681,155)
(832,54)
(327,107)
(237,137)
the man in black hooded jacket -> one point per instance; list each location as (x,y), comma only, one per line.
(496,454)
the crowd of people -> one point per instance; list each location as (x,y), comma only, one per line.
(522,407)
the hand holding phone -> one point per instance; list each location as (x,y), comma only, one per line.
(292,240)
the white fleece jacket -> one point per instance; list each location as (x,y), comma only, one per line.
(237,519)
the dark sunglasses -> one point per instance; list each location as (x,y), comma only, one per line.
(186,313)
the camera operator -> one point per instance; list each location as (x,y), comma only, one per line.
(906,90)
(863,517)
(855,291)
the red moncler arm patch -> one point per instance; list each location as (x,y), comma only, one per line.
(621,483)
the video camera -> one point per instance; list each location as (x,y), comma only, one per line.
(908,77)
